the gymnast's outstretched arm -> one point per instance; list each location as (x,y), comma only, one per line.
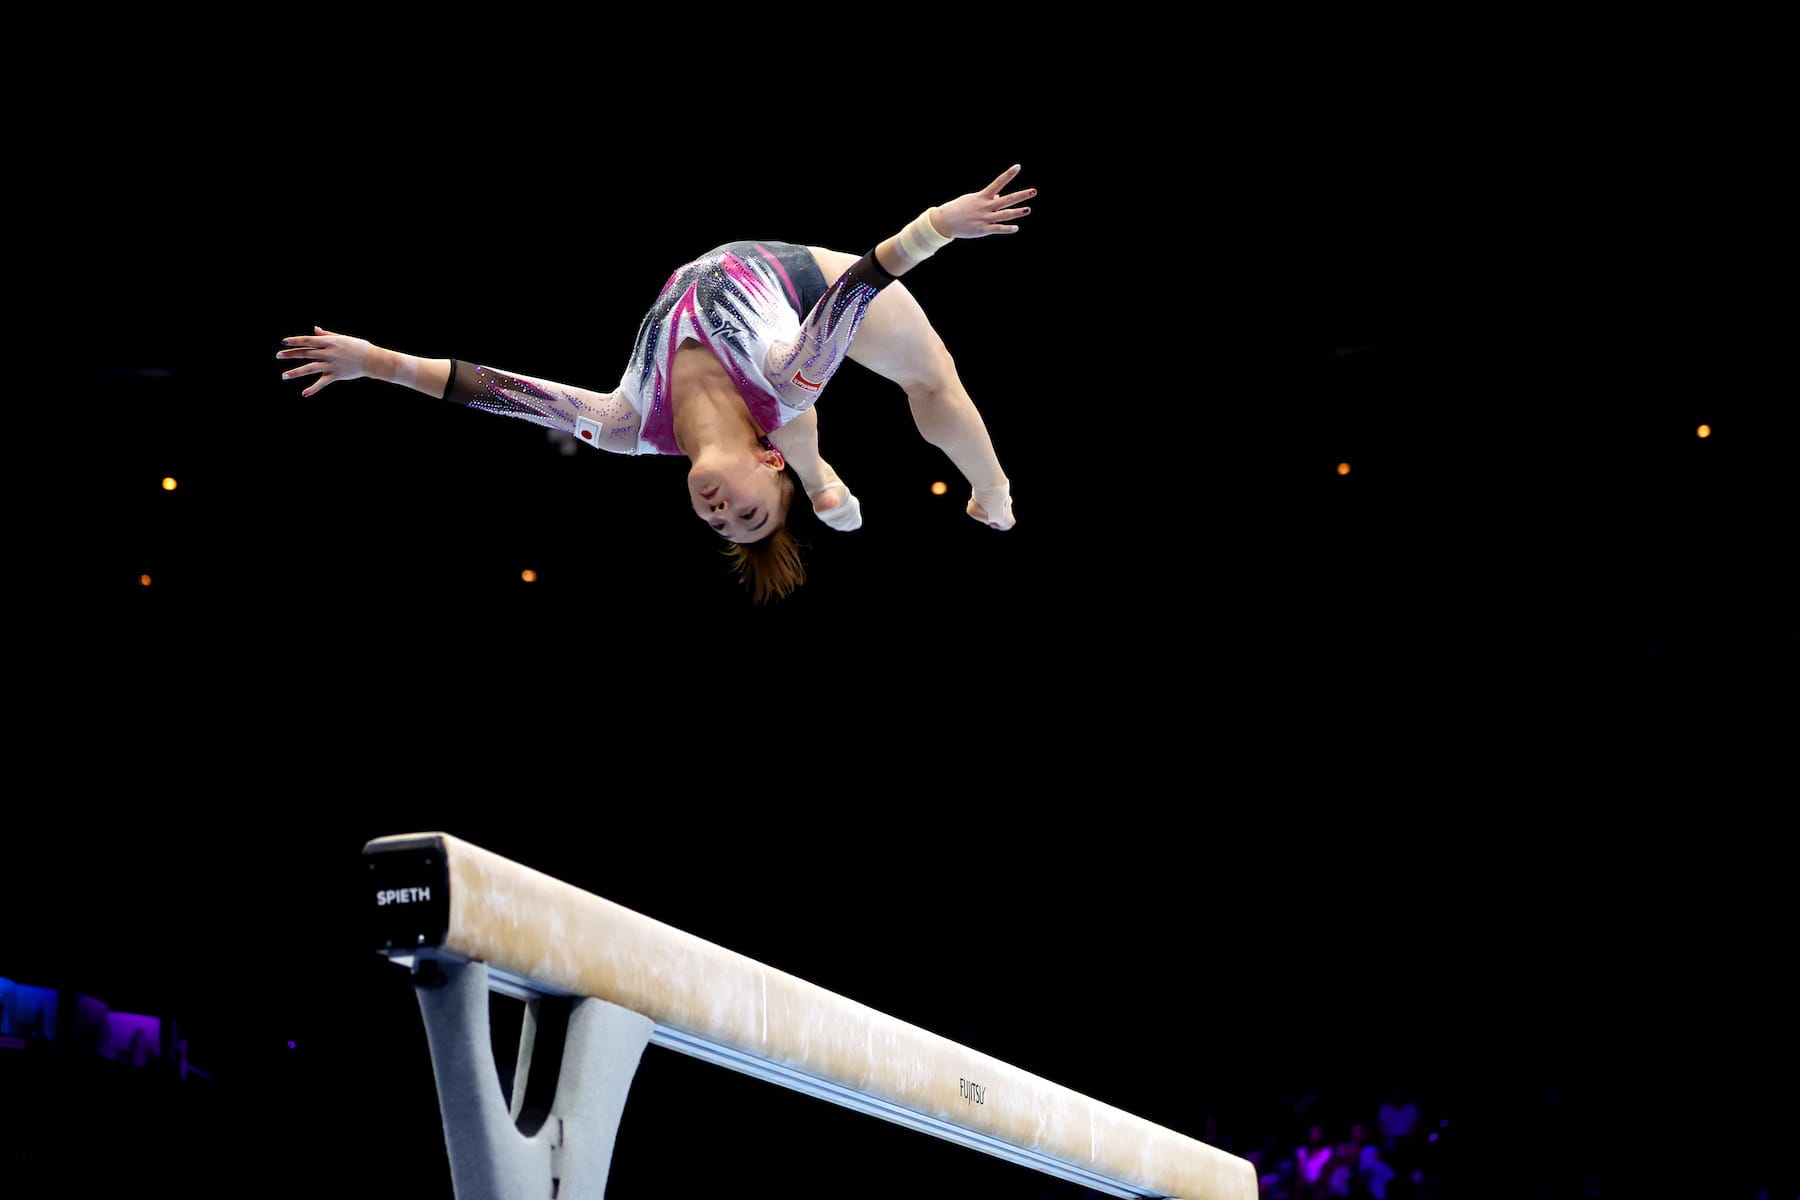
(798,371)
(336,357)
(601,419)
(971,215)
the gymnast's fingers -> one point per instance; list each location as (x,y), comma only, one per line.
(300,347)
(324,380)
(1000,181)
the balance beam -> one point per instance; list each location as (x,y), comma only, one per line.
(457,914)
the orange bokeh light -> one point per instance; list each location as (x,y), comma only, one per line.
(939,488)
(168,484)
(1343,468)
(1704,431)
(528,575)
(143,581)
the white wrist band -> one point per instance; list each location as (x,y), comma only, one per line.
(919,240)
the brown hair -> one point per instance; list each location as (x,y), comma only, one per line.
(771,567)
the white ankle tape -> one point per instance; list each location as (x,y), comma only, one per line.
(844,517)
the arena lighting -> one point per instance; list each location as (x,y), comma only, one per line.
(602,981)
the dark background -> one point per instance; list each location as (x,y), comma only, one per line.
(1221,782)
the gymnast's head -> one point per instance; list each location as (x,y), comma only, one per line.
(744,496)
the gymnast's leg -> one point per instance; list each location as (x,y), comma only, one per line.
(897,342)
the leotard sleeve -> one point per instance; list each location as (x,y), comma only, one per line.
(800,370)
(601,419)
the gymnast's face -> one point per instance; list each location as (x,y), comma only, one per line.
(740,496)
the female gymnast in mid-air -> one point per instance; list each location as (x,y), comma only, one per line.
(727,367)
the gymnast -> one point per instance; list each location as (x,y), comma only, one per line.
(726,369)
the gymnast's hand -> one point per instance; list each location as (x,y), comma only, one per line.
(334,357)
(992,506)
(978,214)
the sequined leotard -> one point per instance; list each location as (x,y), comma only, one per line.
(741,301)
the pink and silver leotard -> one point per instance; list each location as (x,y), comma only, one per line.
(747,302)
